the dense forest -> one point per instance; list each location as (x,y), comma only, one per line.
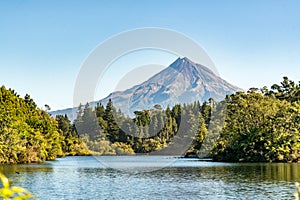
(258,125)
(262,125)
(28,134)
(107,131)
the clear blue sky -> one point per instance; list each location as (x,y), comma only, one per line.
(44,43)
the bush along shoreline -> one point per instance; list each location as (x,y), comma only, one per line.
(29,135)
(261,125)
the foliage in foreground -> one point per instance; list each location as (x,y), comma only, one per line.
(297,192)
(15,193)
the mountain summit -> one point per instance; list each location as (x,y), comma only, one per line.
(182,82)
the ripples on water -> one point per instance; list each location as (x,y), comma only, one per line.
(87,178)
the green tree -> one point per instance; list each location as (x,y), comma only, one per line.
(112,126)
(259,127)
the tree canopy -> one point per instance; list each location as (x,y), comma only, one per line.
(28,134)
(262,125)
(258,125)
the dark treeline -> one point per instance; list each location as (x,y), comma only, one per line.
(108,131)
(258,125)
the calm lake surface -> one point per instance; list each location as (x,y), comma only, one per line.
(88,178)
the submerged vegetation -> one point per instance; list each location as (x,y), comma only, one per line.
(259,125)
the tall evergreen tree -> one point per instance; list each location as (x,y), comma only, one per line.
(112,126)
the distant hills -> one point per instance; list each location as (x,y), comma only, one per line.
(182,82)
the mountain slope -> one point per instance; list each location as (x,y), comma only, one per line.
(182,82)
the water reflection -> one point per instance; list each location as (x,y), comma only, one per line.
(87,178)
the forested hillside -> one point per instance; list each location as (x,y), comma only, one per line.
(258,125)
(28,134)
(110,132)
(262,125)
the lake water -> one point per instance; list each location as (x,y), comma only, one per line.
(87,178)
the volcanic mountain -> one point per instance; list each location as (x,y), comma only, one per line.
(182,82)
